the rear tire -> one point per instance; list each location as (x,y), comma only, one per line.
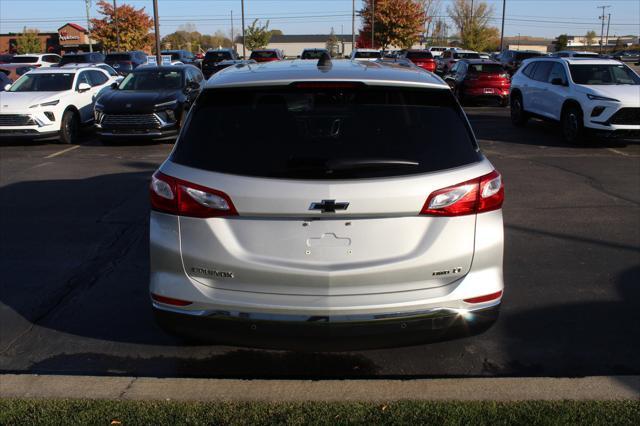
(69,127)
(572,125)
(519,116)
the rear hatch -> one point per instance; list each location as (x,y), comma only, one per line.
(264,56)
(212,58)
(328,189)
(487,75)
(422,59)
(120,62)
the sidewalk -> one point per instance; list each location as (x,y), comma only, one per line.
(604,388)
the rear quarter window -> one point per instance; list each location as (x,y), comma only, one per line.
(299,131)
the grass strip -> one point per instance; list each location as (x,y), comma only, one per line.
(103,412)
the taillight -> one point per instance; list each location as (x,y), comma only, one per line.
(485,298)
(478,195)
(179,197)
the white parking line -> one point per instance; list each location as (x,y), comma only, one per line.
(55,154)
(618,152)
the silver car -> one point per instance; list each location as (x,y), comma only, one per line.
(326,206)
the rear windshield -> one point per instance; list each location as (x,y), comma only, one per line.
(326,133)
(24,59)
(217,56)
(74,59)
(521,56)
(438,49)
(464,55)
(313,54)
(268,54)
(419,55)
(367,55)
(114,57)
(485,68)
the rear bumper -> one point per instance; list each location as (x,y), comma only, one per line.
(324,333)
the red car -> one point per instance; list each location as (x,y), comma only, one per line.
(422,58)
(267,55)
(479,79)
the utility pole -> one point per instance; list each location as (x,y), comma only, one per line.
(353,25)
(373,22)
(504,5)
(471,26)
(606,40)
(233,40)
(115,17)
(244,53)
(156,25)
(602,27)
(87,3)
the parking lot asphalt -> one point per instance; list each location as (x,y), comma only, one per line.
(74,268)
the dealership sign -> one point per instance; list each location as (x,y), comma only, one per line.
(66,36)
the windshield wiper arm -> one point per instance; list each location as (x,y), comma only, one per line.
(357,163)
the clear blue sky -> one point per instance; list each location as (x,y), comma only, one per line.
(527,17)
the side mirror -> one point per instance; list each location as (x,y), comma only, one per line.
(115,85)
(83,87)
(557,81)
(7,86)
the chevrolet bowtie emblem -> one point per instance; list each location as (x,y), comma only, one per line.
(328,206)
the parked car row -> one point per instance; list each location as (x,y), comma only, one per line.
(54,102)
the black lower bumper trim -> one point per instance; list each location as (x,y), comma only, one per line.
(324,336)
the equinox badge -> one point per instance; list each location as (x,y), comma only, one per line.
(328,206)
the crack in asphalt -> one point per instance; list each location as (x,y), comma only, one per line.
(591,181)
(87,273)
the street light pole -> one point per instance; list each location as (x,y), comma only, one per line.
(373,22)
(156,25)
(244,53)
(504,5)
(87,5)
(606,39)
(353,25)
(115,17)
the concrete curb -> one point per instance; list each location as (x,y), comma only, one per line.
(472,389)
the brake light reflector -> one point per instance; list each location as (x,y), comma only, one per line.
(179,197)
(170,300)
(477,195)
(486,298)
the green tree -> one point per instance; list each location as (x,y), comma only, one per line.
(257,36)
(473,26)
(134,27)
(561,42)
(396,23)
(28,42)
(332,44)
(590,37)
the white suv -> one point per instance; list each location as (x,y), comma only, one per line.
(51,103)
(601,95)
(37,59)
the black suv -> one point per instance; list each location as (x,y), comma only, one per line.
(183,56)
(82,58)
(125,62)
(213,57)
(511,59)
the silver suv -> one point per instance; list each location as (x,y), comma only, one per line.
(326,206)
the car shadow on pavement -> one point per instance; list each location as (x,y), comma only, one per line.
(536,133)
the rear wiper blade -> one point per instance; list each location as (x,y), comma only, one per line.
(357,163)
